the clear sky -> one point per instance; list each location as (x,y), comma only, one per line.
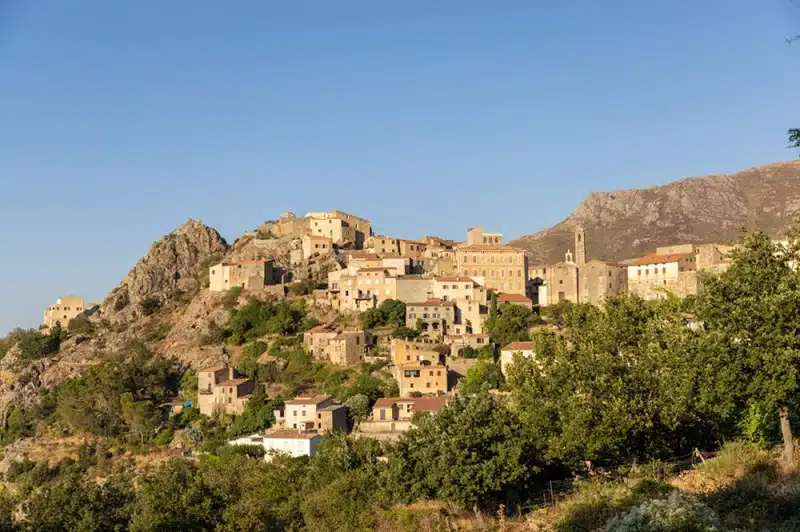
(119,120)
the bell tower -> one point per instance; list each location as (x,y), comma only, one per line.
(580,246)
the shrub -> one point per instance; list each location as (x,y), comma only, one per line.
(80,324)
(164,436)
(231,298)
(679,512)
(34,345)
(150,305)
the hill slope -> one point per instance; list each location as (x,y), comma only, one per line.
(714,208)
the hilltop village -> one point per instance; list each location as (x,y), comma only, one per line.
(445,291)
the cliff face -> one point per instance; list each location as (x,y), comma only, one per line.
(171,265)
(715,208)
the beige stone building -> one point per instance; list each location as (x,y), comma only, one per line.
(476,235)
(301,413)
(414,352)
(577,280)
(220,388)
(393,415)
(515,299)
(290,225)
(340,348)
(424,378)
(382,244)
(455,287)
(654,276)
(65,309)
(332,418)
(412,249)
(458,342)
(247,275)
(495,266)
(436,316)
(524,349)
(340,227)
(316,245)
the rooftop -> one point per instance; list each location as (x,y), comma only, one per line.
(419,404)
(331,408)
(308,399)
(433,302)
(290,435)
(512,298)
(233,382)
(212,368)
(654,258)
(519,346)
(254,261)
(455,278)
(490,247)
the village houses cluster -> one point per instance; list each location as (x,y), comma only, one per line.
(447,288)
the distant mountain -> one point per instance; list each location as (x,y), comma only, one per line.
(714,208)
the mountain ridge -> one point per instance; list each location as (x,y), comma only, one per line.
(625,223)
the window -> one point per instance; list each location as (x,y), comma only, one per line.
(445,287)
(465,259)
(431,372)
(294,413)
(560,281)
(664,270)
(544,271)
(304,413)
(427,385)
(474,259)
(439,373)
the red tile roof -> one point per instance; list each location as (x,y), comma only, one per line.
(363,255)
(513,298)
(433,302)
(519,346)
(212,368)
(654,258)
(233,382)
(384,402)
(430,404)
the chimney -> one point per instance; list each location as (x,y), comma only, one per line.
(231,372)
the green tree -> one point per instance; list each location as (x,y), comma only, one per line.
(493,306)
(248,363)
(140,416)
(473,452)
(405,333)
(393,312)
(80,324)
(258,414)
(751,315)
(794,138)
(510,325)
(482,376)
(358,406)
(75,503)
(175,497)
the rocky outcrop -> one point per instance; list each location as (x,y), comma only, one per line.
(715,208)
(172,264)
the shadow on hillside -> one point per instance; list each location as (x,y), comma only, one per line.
(763,499)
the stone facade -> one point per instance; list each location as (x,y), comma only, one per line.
(436,316)
(65,309)
(301,412)
(656,275)
(316,245)
(524,349)
(247,275)
(220,388)
(413,352)
(341,348)
(476,235)
(340,227)
(421,378)
(495,266)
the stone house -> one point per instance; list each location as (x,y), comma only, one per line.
(495,266)
(300,413)
(436,316)
(65,309)
(656,275)
(331,418)
(424,378)
(390,415)
(339,347)
(313,245)
(458,342)
(414,352)
(221,388)
(515,299)
(340,227)
(247,275)
(476,235)
(524,349)
(383,244)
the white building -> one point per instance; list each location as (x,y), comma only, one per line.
(507,353)
(301,412)
(289,442)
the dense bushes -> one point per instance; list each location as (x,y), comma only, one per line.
(390,313)
(259,318)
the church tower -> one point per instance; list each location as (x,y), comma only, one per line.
(580,246)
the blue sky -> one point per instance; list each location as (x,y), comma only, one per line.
(119,120)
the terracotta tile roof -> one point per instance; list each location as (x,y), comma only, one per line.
(212,368)
(290,435)
(325,327)
(515,298)
(364,255)
(654,258)
(419,404)
(381,269)
(233,382)
(430,404)
(308,399)
(455,278)
(519,346)
(433,302)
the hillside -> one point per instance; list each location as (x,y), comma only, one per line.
(626,223)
